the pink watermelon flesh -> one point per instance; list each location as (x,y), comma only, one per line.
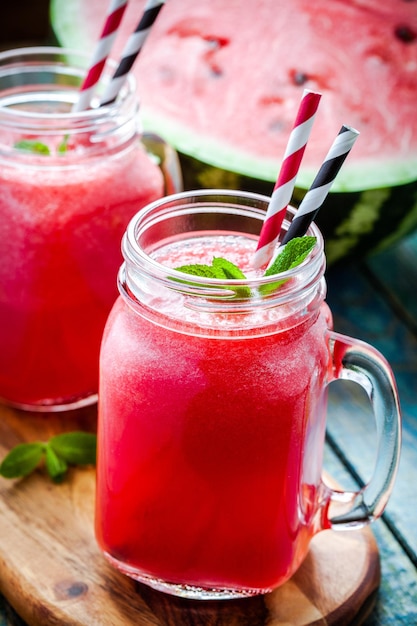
(222,80)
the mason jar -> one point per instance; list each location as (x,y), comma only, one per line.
(212,405)
(69,184)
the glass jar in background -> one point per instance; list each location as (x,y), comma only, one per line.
(69,184)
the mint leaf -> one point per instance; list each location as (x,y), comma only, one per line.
(197,269)
(75,448)
(294,253)
(55,466)
(221,269)
(227,268)
(232,272)
(63,145)
(36,147)
(78,448)
(22,460)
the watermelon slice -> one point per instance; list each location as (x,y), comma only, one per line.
(221,81)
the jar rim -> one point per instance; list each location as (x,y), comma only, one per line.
(56,58)
(39,124)
(137,258)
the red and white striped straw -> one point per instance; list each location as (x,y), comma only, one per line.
(103,48)
(131,51)
(285,184)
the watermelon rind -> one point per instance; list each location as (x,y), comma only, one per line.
(354,224)
(63,16)
(356,175)
(372,204)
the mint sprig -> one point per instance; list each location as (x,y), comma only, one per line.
(227,269)
(61,451)
(63,145)
(198,269)
(293,254)
(221,269)
(36,147)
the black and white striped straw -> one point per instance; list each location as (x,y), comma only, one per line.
(131,50)
(320,186)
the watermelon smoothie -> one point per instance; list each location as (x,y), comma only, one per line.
(207,418)
(62,217)
(203,473)
(212,406)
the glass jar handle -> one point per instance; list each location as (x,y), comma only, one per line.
(167,159)
(357,361)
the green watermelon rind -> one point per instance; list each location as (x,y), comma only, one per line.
(368,209)
(62,14)
(354,176)
(354,224)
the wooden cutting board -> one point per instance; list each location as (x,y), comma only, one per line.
(52,572)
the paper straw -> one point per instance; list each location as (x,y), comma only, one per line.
(103,48)
(131,51)
(285,183)
(320,186)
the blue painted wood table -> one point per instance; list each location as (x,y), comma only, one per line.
(377,301)
(374,300)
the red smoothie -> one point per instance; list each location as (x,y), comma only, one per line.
(203,478)
(60,229)
(70,181)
